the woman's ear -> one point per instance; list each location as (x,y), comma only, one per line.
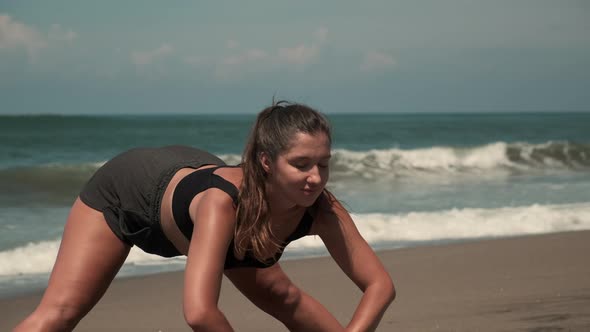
(266,163)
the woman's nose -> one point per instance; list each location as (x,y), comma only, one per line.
(314,176)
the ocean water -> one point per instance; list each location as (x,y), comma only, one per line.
(408,179)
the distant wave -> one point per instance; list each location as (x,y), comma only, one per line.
(443,160)
(53,183)
(381,230)
(56,181)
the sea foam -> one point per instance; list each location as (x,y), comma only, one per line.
(380,230)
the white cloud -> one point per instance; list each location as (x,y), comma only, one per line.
(374,60)
(321,34)
(248,56)
(147,57)
(15,35)
(299,55)
(257,60)
(59,34)
(303,54)
(231,44)
(234,65)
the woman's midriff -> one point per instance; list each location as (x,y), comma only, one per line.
(169,226)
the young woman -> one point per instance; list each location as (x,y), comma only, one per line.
(232,220)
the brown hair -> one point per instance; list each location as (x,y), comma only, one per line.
(271,134)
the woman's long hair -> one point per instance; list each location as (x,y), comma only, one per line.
(271,134)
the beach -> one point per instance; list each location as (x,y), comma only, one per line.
(464,181)
(458,135)
(530,283)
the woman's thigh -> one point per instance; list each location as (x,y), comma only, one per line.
(89,257)
(270,289)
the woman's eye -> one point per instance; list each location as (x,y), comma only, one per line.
(306,166)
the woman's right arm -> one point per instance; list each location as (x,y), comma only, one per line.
(213,230)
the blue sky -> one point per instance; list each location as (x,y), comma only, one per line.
(74,57)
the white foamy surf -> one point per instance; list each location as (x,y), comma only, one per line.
(380,230)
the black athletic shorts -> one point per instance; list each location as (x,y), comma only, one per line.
(128,190)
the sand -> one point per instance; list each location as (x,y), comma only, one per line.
(533,283)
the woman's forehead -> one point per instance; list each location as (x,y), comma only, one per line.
(305,144)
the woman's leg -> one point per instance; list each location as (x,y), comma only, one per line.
(89,257)
(272,291)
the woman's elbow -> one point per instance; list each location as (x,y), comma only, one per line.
(387,288)
(202,318)
(390,290)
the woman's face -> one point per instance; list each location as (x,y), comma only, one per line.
(299,175)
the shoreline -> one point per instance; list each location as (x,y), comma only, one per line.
(524,283)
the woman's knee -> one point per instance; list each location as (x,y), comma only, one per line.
(52,317)
(284,293)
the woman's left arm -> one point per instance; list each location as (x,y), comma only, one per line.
(356,258)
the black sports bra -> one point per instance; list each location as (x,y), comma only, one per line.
(204,179)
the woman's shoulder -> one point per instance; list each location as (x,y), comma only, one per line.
(325,211)
(232,174)
(327,203)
